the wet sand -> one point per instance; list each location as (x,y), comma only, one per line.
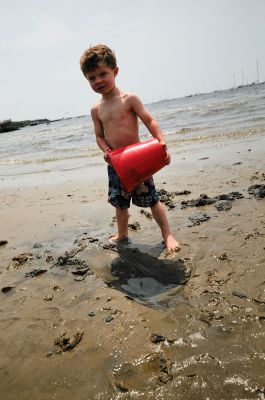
(82,319)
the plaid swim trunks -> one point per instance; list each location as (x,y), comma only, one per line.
(145,195)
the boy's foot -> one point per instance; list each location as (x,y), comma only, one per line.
(117,238)
(172,244)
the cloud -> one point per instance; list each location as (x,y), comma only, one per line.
(45,34)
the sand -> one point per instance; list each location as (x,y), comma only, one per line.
(84,320)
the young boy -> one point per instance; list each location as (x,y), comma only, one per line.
(115,119)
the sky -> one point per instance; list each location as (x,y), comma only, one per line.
(165,49)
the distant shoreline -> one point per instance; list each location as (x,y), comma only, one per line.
(9,125)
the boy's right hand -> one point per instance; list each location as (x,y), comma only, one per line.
(106,155)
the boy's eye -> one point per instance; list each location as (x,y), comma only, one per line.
(103,74)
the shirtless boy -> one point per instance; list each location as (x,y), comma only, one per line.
(115,119)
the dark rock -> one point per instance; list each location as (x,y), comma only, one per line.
(108,246)
(92,240)
(81,270)
(3,242)
(49,259)
(229,196)
(147,214)
(197,218)
(204,200)
(157,338)
(35,272)
(223,205)
(135,226)
(108,319)
(22,258)
(91,314)
(68,342)
(239,293)
(7,289)
(183,192)
(257,190)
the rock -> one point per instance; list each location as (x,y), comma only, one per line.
(49,258)
(22,258)
(66,343)
(147,214)
(109,318)
(229,196)
(257,190)
(82,270)
(223,205)
(135,226)
(91,314)
(258,176)
(92,240)
(204,200)
(239,293)
(7,289)
(183,192)
(3,242)
(35,272)
(157,338)
(197,218)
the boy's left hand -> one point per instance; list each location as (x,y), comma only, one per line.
(168,156)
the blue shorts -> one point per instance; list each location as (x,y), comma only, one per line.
(145,195)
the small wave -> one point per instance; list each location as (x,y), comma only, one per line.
(217,136)
(50,159)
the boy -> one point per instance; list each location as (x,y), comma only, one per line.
(115,119)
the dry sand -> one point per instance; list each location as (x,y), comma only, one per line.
(95,324)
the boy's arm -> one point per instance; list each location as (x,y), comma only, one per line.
(148,120)
(99,132)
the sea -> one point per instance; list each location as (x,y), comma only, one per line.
(68,145)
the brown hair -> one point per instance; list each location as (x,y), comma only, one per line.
(92,57)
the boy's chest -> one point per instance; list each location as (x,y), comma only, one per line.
(113,112)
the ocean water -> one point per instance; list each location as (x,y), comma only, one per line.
(69,144)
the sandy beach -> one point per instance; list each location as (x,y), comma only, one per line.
(80,319)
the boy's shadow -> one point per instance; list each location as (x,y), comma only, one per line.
(142,274)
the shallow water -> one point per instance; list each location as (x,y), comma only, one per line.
(68,145)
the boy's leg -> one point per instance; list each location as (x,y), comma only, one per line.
(122,216)
(119,199)
(159,213)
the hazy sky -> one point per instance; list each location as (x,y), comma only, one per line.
(165,49)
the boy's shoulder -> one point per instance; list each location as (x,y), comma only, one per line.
(95,106)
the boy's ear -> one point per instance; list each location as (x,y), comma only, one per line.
(116,70)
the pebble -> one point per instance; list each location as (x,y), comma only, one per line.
(239,293)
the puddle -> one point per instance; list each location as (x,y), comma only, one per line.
(139,271)
(141,274)
(134,282)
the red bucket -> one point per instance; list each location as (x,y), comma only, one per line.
(137,162)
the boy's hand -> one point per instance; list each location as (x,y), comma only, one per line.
(106,155)
(168,156)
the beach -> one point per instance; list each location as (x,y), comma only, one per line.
(83,319)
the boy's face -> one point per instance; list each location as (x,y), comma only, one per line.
(102,79)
